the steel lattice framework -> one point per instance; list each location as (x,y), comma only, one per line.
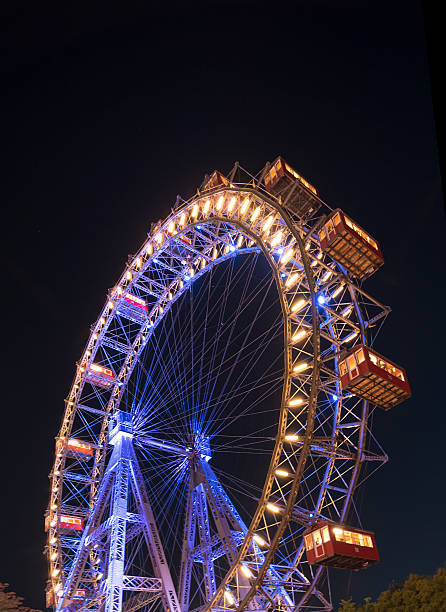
(164,528)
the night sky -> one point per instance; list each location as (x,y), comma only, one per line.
(110,114)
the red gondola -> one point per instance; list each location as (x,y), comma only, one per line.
(340,546)
(350,245)
(369,375)
(71,523)
(50,598)
(133,307)
(136,301)
(215,180)
(79,449)
(303,200)
(100,376)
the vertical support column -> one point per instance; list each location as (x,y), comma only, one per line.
(205,536)
(113,599)
(158,557)
(188,544)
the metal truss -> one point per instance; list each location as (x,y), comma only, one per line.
(321,450)
(122,473)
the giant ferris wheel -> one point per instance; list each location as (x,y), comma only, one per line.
(219,421)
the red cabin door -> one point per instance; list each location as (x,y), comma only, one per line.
(352,367)
(319,548)
(330,231)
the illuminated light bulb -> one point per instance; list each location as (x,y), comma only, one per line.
(267,225)
(88,353)
(314,263)
(171,227)
(276,239)
(350,336)
(273,507)
(337,291)
(255,214)
(307,246)
(282,473)
(120,290)
(287,256)
(292,280)
(299,335)
(182,220)
(229,598)
(321,299)
(300,367)
(53,540)
(57,587)
(231,204)
(55,572)
(347,311)
(169,297)
(206,207)
(297,401)
(191,272)
(54,507)
(102,321)
(138,262)
(220,201)
(149,249)
(195,211)
(53,556)
(239,241)
(245,206)
(95,336)
(298,305)
(214,253)
(226,249)
(292,438)
(319,255)
(338,531)
(259,540)
(110,305)
(326,276)
(246,571)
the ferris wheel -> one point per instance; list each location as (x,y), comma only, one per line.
(218,424)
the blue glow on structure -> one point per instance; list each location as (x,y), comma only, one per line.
(321,299)
(186,277)
(279,251)
(311,515)
(198,226)
(334,397)
(232,248)
(283,275)
(155,261)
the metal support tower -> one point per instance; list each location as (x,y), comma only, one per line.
(122,476)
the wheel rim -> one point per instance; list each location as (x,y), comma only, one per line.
(251,221)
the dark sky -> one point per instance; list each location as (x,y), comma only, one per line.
(109,114)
